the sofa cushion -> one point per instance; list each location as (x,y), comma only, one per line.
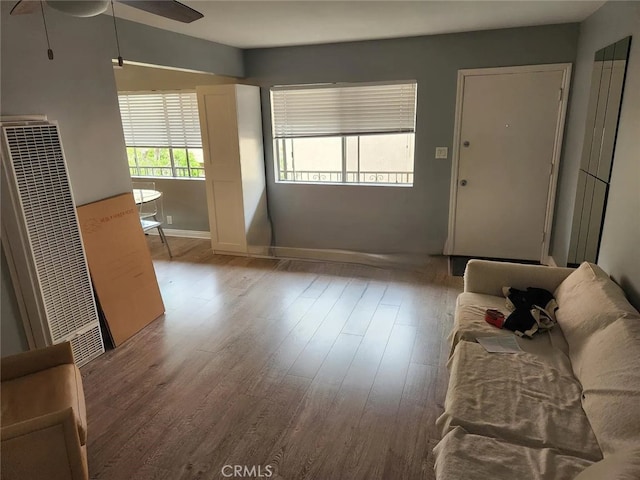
(520,398)
(609,370)
(44,392)
(588,301)
(489,277)
(469,324)
(620,466)
(461,455)
(482,301)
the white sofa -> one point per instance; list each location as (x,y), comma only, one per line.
(566,408)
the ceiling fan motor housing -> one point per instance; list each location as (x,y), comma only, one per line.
(83,8)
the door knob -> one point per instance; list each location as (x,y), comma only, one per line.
(463,182)
(466,143)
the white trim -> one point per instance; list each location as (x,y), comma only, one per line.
(414,261)
(164,67)
(263,251)
(310,86)
(10,119)
(545,67)
(151,177)
(555,166)
(550,261)
(347,184)
(170,232)
(252,251)
(453,190)
(553,179)
(156,92)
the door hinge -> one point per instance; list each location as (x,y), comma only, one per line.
(544,235)
(560,94)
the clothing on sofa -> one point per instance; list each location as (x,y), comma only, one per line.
(533,309)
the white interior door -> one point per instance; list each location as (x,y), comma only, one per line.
(508,128)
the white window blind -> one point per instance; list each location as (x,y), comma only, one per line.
(167,119)
(340,110)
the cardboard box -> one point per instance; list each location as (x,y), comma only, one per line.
(120,265)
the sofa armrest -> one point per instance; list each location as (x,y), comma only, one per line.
(33,361)
(46,447)
(488,277)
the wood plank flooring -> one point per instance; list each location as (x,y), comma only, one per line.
(317,370)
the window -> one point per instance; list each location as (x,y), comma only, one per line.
(162,134)
(352,133)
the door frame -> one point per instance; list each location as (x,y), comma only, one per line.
(565,68)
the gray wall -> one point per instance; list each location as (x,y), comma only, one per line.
(185,200)
(391,219)
(149,45)
(12,337)
(621,234)
(78,89)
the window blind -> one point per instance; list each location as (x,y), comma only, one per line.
(167,119)
(336,110)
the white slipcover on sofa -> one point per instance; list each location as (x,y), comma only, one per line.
(556,410)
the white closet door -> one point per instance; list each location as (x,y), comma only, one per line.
(218,122)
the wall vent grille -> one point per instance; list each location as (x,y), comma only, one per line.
(49,216)
(87,345)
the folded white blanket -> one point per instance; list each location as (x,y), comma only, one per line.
(518,399)
(461,455)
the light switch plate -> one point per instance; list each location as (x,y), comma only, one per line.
(442,152)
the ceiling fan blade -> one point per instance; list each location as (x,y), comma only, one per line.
(24,7)
(168,9)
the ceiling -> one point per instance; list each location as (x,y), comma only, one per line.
(255,24)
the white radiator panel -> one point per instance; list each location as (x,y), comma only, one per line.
(36,162)
(87,345)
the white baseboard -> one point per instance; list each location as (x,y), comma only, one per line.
(260,251)
(348,256)
(314,254)
(170,232)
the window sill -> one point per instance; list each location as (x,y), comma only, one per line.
(344,184)
(166,178)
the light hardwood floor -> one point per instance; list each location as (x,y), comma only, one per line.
(319,370)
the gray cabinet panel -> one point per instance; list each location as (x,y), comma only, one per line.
(596,217)
(577,217)
(585,216)
(618,67)
(605,59)
(605,99)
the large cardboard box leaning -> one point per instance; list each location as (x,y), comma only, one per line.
(120,265)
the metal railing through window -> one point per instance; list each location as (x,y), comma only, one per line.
(175,172)
(377,177)
(168,162)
